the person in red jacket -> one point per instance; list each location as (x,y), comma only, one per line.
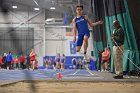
(105,58)
(1,63)
(12,64)
(33,59)
(16,61)
(22,61)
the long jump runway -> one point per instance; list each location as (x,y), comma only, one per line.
(11,76)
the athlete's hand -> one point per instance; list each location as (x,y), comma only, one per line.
(100,22)
(74,39)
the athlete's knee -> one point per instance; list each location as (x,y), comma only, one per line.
(77,50)
(86,40)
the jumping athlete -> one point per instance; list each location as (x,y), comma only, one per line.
(80,24)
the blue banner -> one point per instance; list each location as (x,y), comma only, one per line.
(72,47)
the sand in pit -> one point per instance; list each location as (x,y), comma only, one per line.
(71,87)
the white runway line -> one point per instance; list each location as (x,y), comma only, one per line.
(76,72)
(89,71)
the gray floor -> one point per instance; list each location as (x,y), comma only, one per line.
(12,76)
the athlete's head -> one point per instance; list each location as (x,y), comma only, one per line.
(79,9)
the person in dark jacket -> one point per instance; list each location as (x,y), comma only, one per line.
(118,49)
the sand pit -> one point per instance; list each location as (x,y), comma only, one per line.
(71,87)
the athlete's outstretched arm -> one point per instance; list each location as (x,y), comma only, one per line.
(74,29)
(93,24)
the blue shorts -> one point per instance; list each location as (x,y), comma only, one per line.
(80,39)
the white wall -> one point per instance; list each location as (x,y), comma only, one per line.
(58,42)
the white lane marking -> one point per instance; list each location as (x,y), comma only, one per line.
(76,72)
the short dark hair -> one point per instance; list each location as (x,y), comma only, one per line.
(79,6)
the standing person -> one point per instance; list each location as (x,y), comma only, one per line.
(50,61)
(9,60)
(16,61)
(80,63)
(53,64)
(99,59)
(22,61)
(58,60)
(12,64)
(46,61)
(88,62)
(105,59)
(1,62)
(63,61)
(28,62)
(4,60)
(33,59)
(118,49)
(80,24)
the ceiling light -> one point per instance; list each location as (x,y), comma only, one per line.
(52,8)
(37,9)
(14,6)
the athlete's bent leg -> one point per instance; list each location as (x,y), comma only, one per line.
(78,48)
(85,45)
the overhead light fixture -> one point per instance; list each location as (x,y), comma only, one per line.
(37,9)
(14,6)
(52,8)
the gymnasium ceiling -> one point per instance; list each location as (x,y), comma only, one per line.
(60,5)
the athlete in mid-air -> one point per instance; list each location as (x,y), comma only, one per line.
(80,24)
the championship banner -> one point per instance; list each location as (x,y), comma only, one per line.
(72,47)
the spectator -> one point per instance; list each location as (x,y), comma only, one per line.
(99,59)
(50,61)
(1,62)
(22,61)
(74,62)
(88,62)
(33,59)
(46,62)
(105,59)
(12,64)
(53,64)
(63,61)
(9,60)
(4,60)
(58,60)
(16,61)
(80,63)
(118,49)
(28,62)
